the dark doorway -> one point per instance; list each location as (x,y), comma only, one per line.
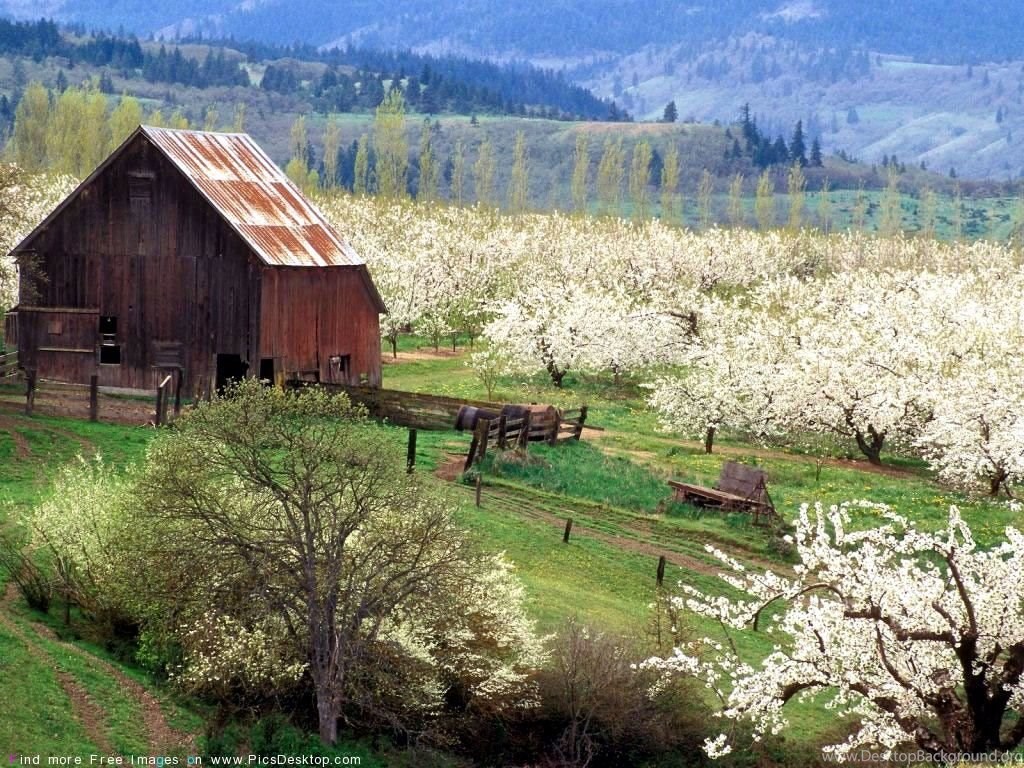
(267,369)
(230,368)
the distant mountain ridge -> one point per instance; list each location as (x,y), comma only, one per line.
(935,82)
(948,31)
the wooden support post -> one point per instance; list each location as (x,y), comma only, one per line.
(502,424)
(410,454)
(30,390)
(483,431)
(479,485)
(159,405)
(162,397)
(661,570)
(94,398)
(179,381)
(553,437)
(568,530)
(579,424)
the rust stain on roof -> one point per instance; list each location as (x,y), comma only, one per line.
(255,197)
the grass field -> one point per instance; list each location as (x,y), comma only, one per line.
(612,484)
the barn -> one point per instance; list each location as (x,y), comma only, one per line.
(190,253)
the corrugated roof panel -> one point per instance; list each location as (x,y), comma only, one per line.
(254,197)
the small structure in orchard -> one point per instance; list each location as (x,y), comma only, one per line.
(191,254)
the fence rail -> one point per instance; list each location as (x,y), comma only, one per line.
(8,364)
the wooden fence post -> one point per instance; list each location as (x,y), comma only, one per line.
(568,530)
(94,398)
(661,570)
(524,434)
(502,424)
(483,428)
(410,454)
(579,424)
(553,437)
(30,390)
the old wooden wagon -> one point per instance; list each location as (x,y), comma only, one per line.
(192,254)
(739,488)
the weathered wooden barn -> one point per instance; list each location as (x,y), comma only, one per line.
(191,253)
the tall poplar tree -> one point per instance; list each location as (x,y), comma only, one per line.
(581,172)
(519,183)
(391,145)
(483,173)
(640,179)
(670,185)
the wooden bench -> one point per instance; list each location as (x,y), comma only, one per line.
(740,488)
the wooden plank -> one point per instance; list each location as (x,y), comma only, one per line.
(62,310)
(74,350)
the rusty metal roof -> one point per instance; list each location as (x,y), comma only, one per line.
(254,196)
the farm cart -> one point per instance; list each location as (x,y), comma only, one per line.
(740,488)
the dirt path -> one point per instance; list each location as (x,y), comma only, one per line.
(161,738)
(599,436)
(89,714)
(22,450)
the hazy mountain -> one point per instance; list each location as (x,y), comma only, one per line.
(933,81)
(941,30)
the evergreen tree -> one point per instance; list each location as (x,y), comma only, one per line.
(797,146)
(816,159)
(671,114)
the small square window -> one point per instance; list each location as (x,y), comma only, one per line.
(56,327)
(110,354)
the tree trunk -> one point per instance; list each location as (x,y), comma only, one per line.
(709,440)
(996,481)
(871,445)
(327,716)
(394,346)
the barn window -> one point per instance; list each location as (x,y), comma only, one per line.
(267,369)
(110,350)
(55,327)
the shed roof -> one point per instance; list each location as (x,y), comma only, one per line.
(254,196)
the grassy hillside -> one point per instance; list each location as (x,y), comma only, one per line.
(961,116)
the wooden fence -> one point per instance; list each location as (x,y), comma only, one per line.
(409,409)
(516,434)
(9,364)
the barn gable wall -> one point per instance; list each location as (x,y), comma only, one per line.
(139,244)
